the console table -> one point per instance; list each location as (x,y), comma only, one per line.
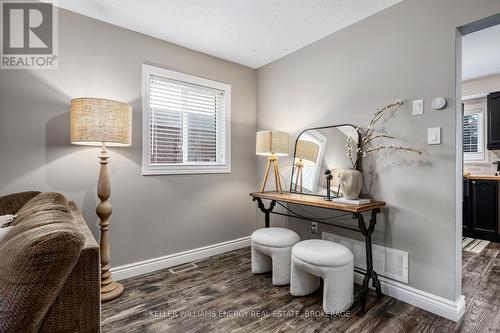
(320,202)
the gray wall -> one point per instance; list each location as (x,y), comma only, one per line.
(155,215)
(407,52)
(483,85)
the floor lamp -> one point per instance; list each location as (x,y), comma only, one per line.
(306,153)
(105,123)
(272,144)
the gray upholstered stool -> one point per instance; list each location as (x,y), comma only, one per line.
(271,250)
(334,263)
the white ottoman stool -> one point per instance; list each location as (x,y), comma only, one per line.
(272,250)
(334,263)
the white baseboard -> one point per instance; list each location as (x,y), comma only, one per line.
(421,299)
(171,260)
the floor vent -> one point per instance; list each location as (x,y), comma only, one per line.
(387,262)
(182,268)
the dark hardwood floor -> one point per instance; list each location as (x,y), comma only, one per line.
(222,295)
(481,288)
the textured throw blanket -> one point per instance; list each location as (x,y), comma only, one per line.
(37,255)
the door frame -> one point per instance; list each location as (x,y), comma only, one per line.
(459,33)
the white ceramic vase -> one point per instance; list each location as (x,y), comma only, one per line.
(351,182)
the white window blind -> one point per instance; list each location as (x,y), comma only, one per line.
(309,175)
(474,133)
(471,133)
(186,125)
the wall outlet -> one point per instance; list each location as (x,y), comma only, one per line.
(314,228)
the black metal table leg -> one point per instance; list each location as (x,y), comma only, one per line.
(370,273)
(266,211)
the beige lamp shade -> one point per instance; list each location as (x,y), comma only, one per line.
(95,121)
(271,143)
(307,152)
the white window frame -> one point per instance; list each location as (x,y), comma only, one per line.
(483,156)
(179,169)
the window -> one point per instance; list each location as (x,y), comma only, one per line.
(186,123)
(474,133)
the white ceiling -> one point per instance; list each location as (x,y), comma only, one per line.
(249,32)
(481,53)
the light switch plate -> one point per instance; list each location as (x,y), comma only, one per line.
(418,107)
(434,136)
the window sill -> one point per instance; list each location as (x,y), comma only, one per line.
(480,162)
(186,171)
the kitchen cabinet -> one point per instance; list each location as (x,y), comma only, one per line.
(480,209)
(493,118)
(466,204)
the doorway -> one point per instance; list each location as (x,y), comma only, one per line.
(478,173)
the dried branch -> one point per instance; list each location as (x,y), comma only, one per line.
(368,135)
(393,147)
(377,116)
(348,147)
(381,136)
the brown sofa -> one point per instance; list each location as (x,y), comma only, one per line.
(49,267)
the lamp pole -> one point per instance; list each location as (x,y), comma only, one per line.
(109,289)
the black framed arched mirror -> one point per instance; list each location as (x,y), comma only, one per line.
(333,148)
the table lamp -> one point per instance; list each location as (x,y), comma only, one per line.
(306,153)
(102,122)
(272,144)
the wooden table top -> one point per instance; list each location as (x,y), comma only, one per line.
(316,201)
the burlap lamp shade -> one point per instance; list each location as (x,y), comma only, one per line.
(272,143)
(307,152)
(95,121)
